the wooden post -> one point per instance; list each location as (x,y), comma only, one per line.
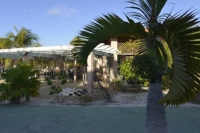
(75,71)
(84,75)
(25,58)
(15,63)
(90,70)
(113,71)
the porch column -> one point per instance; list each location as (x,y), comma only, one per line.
(25,57)
(15,63)
(90,70)
(66,67)
(104,66)
(84,75)
(57,65)
(36,68)
(113,70)
(75,71)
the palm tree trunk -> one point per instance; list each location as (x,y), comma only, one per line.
(155,121)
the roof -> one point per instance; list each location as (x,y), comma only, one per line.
(53,51)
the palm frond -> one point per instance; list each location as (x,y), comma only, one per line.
(183,38)
(23,38)
(102,29)
(149,10)
(6,43)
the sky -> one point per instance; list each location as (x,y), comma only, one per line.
(57,22)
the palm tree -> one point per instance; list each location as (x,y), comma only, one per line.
(5,43)
(23,38)
(178,31)
(75,40)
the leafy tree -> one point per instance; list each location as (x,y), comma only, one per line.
(145,66)
(5,43)
(55,87)
(23,38)
(19,83)
(76,40)
(126,69)
(178,31)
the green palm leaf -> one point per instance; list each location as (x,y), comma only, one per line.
(182,37)
(23,38)
(149,10)
(179,31)
(102,29)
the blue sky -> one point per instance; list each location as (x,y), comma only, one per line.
(56,22)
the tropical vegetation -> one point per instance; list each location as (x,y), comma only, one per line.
(20,83)
(126,69)
(55,87)
(23,38)
(178,31)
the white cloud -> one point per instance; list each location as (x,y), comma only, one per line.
(61,10)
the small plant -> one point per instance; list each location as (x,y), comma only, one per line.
(56,87)
(20,82)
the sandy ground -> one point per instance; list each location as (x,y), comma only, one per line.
(132,97)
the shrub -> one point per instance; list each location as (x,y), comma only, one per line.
(19,83)
(56,86)
(126,69)
(146,67)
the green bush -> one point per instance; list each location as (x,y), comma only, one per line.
(126,69)
(145,67)
(56,86)
(20,82)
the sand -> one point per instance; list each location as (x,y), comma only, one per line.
(132,97)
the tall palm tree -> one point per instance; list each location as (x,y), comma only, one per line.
(5,43)
(178,31)
(75,40)
(23,38)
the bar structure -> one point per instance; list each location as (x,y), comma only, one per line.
(64,52)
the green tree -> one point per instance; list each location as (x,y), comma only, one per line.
(126,69)
(23,38)
(5,43)
(180,33)
(19,83)
(76,40)
(55,87)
